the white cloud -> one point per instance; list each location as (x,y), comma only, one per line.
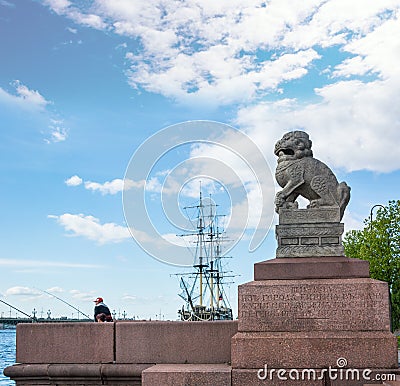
(238,172)
(24,98)
(151,301)
(352,221)
(113,187)
(378,52)
(188,241)
(23,291)
(74,181)
(109,187)
(240,52)
(32,97)
(65,7)
(58,6)
(90,20)
(7,4)
(58,132)
(55,289)
(352,127)
(129,298)
(218,75)
(91,228)
(337,21)
(151,185)
(85,296)
(234,51)
(72,30)
(31,101)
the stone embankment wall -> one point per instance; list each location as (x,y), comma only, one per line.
(117,353)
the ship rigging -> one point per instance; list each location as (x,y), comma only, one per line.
(203,289)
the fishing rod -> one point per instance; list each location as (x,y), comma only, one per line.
(61,300)
(15,308)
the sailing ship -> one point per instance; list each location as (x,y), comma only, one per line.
(203,288)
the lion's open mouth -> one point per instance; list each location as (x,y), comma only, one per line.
(286,152)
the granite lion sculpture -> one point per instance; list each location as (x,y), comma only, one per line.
(300,174)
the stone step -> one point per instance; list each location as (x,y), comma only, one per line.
(187,374)
(311,268)
(393,383)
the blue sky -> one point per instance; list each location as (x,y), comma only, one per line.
(85,85)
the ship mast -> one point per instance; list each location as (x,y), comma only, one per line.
(207,267)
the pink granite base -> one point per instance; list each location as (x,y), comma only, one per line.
(249,377)
(377,349)
(184,375)
(293,377)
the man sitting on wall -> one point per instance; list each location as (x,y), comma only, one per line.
(101,312)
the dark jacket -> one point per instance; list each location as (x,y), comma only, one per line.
(101,308)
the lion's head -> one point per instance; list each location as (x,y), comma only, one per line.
(293,145)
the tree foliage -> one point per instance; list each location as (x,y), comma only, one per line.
(379,243)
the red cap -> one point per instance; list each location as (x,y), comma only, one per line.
(98,300)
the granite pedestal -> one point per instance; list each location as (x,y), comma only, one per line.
(312,323)
(311,309)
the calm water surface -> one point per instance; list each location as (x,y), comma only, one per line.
(7,354)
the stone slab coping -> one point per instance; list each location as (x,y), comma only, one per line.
(192,368)
(311,268)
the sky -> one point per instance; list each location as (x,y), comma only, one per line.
(113,111)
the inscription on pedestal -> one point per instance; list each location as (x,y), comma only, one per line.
(305,307)
(330,240)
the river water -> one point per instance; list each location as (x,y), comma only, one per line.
(7,354)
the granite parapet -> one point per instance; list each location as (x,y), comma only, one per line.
(174,342)
(65,343)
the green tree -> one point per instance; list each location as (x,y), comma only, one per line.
(379,243)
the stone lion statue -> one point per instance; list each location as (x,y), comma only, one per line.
(298,173)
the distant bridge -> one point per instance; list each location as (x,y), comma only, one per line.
(4,322)
(9,322)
